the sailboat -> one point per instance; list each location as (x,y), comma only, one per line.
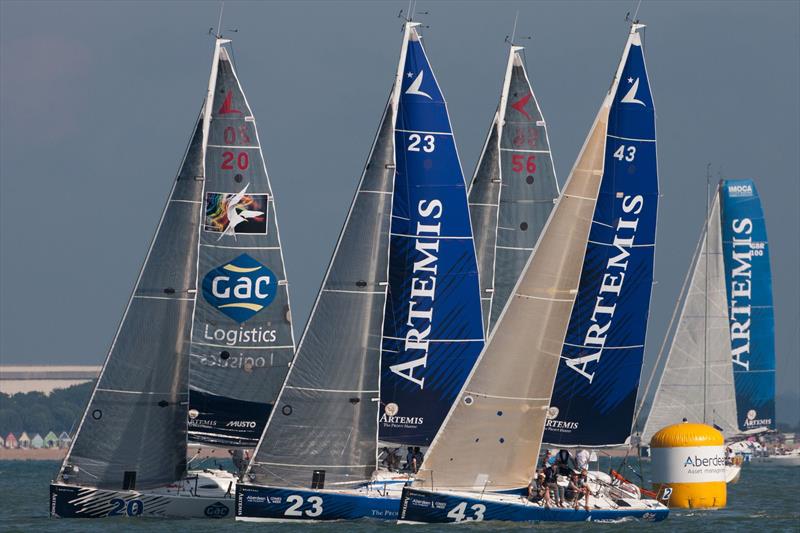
(513,190)
(206,338)
(696,383)
(395,329)
(486,452)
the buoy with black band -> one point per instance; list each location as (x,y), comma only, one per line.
(689,466)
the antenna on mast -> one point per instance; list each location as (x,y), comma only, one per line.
(511,39)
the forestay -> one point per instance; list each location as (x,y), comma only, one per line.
(697,380)
(492,435)
(752,321)
(242,339)
(601,360)
(135,423)
(432,331)
(513,190)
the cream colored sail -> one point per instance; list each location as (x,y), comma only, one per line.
(697,381)
(492,436)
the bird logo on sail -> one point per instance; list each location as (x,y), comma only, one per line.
(236,213)
(520,104)
(416,85)
(240,288)
(227,106)
(630,98)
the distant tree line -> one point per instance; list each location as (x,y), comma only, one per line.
(35,412)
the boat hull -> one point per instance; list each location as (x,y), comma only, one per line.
(422,506)
(256,503)
(71,501)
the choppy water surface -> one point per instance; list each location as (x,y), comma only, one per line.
(766,499)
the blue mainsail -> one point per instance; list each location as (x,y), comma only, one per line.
(749,286)
(598,376)
(432,331)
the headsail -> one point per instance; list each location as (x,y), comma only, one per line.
(242,339)
(432,331)
(697,379)
(601,360)
(513,190)
(749,285)
(133,432)
(492,435)
(325,419)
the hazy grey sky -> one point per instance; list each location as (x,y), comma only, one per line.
(98,100)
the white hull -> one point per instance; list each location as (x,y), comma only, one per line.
(732,473)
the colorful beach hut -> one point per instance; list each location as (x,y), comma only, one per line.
(51,440)
(37,442)
(11,441)
(24,440)
(64,440)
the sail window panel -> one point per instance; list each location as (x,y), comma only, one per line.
(171,264)
(364,266)
(330,429)
(151,349)
(131,432)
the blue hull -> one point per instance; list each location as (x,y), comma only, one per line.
(433,508)
(257,503)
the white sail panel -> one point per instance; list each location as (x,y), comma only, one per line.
(492,436)
(697,381)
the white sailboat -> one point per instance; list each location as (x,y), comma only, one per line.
(205,340)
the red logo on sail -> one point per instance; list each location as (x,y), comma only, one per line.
(519,105)
(227,106)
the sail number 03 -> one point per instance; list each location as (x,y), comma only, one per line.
(628,153)
(459,512)
(416,139)
(297,501)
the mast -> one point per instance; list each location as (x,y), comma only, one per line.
(705,301)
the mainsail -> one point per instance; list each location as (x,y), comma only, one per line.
(697,379)
(133,432)
(513,190)
(601,359)
(749,285)
(242,339)
(432,331)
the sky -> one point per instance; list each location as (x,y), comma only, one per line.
(97,100)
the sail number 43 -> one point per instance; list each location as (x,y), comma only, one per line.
(297,502)
(628,153)
(459,512)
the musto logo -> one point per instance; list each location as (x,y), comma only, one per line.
(241,288)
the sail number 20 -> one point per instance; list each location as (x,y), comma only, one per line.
(242,160)
(628,153)
(415,139)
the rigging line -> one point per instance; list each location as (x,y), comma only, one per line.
(636,12)
(219,21)
(514,31)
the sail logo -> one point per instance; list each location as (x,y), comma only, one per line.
(610,288)
(227,106)
(241,288)
(520,104)
(416,85)
(423,292)
(740,190)
(741,287)
(752,422)
(236,213)
(630,96)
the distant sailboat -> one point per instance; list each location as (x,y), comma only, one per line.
(212,290)
(395,329)
(513,190)
(486,453)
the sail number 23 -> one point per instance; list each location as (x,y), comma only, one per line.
(297,502)
(416,139)
(459,512)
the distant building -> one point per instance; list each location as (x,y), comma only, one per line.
(44,378)
(11,441)
(64,440)
(51,440)
(24,440)
(2,442)
(37,442)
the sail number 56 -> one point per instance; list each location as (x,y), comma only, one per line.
(628,153)
(459,514)
(415,139)
(297,502)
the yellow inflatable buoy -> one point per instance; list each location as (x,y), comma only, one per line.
(689,466)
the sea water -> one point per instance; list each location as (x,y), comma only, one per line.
(766,499)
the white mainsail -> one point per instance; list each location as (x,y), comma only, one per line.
(697,380)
